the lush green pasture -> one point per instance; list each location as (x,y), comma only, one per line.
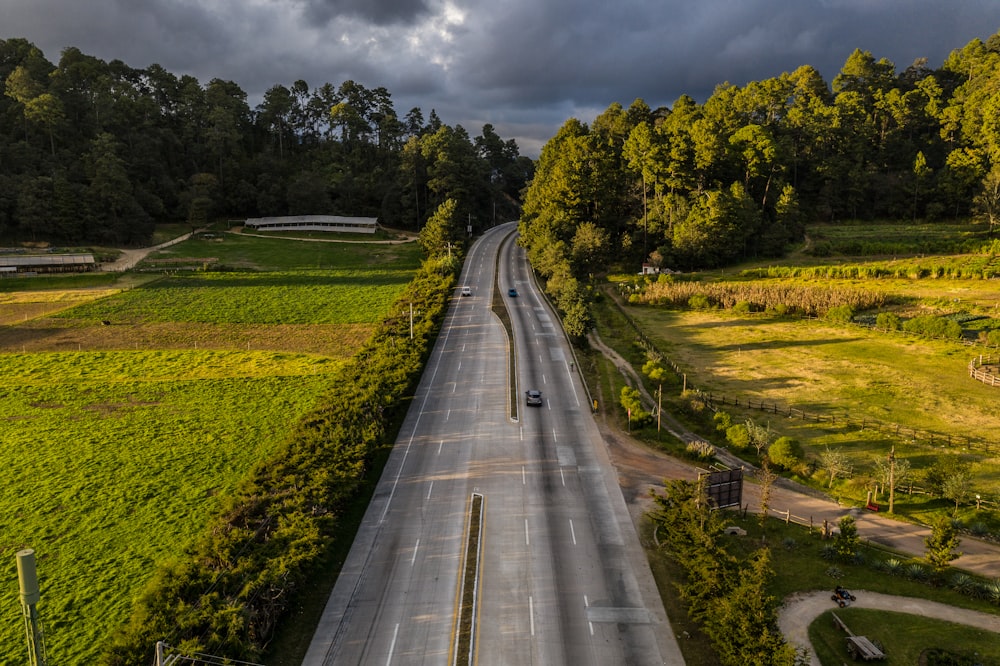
(113,461)
(827,368)
(117,454)
(309,297)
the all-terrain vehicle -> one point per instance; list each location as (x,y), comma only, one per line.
(842,596)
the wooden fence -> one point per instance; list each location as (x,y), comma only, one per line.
(981,369)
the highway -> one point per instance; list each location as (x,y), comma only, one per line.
(562,577)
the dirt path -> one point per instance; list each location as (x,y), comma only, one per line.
(129,258)
(799,610)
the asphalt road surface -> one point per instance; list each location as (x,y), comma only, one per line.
(562,579)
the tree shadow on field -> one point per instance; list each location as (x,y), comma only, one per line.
(737,323)
(765,345)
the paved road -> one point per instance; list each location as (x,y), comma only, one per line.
(563,579)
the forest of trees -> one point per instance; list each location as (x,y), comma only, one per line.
(703,185)
(98,152)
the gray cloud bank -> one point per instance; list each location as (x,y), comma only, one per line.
(523,65)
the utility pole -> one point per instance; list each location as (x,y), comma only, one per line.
(659,406)
(28,582)
(892,476)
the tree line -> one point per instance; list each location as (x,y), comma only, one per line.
(704,185)
(98,152)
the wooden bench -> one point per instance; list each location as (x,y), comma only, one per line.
(859,647)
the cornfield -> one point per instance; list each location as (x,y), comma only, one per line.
(807,300)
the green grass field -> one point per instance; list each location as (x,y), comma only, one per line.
(119,440)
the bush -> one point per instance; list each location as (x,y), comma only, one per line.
(700,449)
(934,327)
(785,453)
(699,302)
(738,436)
(631,400)
(743,307)
(842,314)
(723,421)
(887,321)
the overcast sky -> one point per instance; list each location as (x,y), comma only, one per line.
(523,65)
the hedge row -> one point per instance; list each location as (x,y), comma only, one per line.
(227,593)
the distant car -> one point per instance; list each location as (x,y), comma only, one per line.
(512,292)
(533,398)
(466,291)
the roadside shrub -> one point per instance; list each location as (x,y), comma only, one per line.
(723,421)
(916,572)
(847,540)
(738,436)
(785,453)
(631,400)
(701,449)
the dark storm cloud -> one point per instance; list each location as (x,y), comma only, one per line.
(378,12)
(524,66)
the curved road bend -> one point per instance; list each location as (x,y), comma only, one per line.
(563,578)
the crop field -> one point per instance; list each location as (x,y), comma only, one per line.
(131,407)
